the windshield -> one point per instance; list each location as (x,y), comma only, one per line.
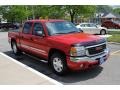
(61,27)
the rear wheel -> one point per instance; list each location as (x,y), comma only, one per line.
(103,32)
(58,63)
(15,49)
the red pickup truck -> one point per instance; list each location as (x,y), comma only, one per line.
(61,43)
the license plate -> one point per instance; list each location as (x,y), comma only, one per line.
(101,60)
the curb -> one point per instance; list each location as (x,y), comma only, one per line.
(32,70)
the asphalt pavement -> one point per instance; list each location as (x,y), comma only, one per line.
(106,74)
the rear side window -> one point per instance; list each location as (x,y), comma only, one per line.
(27,27)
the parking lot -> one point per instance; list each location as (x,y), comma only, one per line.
(107,73)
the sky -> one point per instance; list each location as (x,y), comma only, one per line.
(115,6)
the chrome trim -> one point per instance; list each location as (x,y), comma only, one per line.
(95,45)
(89,59)
(34,49)
(87,53)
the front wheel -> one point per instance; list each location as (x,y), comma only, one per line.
(58,64)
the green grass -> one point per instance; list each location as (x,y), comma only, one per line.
(113,32)
(114,38)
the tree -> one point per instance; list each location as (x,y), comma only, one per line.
(20,13)
(53,12)
(85,10)
(15,13)
(117,11)
(103,9)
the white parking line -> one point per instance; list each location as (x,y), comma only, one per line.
(32,70)
(115,52)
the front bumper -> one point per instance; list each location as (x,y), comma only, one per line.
(78,63)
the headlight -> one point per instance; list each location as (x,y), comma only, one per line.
(77,51)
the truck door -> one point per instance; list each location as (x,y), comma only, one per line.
(25,36)
(39,45)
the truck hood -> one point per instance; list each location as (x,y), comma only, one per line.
(75,38)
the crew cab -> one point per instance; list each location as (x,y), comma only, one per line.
(61,43)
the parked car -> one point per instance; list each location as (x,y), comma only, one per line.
(92,28)
(111,24)
(8,26)
(61,43)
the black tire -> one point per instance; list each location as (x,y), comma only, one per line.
(62,59)
(15,49)
(102,32)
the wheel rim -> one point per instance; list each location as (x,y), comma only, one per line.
(14,48)
(103,32)
(57,64)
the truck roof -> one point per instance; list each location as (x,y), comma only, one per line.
(45,20)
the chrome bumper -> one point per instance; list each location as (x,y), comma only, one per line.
(90,59)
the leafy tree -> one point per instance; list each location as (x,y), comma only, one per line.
(117,11)
(53,12)
(21,13)
(74,10)
(15,13)
(103,9)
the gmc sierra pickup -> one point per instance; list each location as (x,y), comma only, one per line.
(61,43)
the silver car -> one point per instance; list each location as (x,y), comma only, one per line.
(92,28)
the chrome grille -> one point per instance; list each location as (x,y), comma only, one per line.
(96,49)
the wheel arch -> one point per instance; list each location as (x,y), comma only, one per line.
(54,50)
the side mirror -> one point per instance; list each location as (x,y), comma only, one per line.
(40,33)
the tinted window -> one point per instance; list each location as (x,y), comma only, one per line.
(37,27)
(27,27)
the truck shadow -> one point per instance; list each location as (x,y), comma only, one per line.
(42,67)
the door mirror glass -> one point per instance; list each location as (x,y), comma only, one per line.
(39,33)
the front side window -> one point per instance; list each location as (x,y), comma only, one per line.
(61,27)
(37,27)
(27,27)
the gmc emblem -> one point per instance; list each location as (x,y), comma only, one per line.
(98,48)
